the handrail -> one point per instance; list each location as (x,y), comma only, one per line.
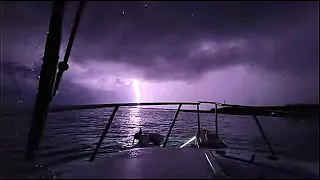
(173,121)
(265,138)
(273,155)
(116,107)
(215,112)
(104,133)
(96,106)
(209,102)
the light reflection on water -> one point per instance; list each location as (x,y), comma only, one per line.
(135,119)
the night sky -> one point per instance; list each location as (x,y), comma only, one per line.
(253,53)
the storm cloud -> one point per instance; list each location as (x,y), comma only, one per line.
(185,45)
(188,39)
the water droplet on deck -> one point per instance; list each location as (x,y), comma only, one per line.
(123,13)
(38,166)
(192,14)
(47,31)
(209,17)
(20,101)
(38,77)
(145,6)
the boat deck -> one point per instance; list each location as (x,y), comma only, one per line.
(176,163)
(148,163)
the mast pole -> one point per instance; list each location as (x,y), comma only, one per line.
(47,74)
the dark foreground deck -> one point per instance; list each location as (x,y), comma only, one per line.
(171,163)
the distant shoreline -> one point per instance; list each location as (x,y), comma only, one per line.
(287,110)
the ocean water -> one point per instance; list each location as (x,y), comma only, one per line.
(70,137)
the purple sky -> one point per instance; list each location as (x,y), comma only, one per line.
(254,53)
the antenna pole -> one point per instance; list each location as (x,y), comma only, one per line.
(216,113)
(198,118)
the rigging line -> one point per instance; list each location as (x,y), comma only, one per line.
(63,66)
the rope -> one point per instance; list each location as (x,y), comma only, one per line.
(63,66)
